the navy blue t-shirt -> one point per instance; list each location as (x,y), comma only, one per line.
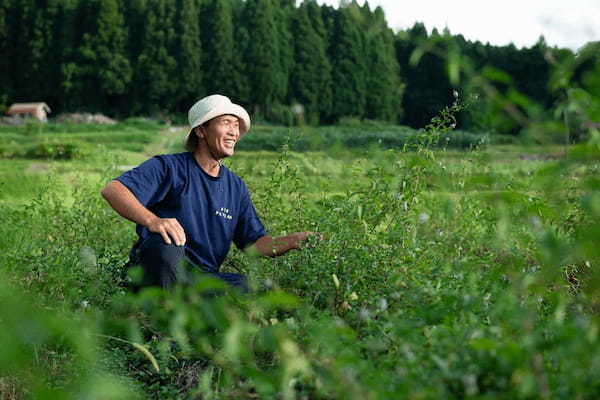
(213,211)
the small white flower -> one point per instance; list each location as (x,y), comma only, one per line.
(85,304)
(455,94)
(423,217)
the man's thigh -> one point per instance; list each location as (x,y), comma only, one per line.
(162,263)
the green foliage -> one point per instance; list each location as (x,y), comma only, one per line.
(189,54)
(220,51)
(262,52)
(428,89)
(443,274)
(349,68)
(385,88)
(354,135)
(67,140)
(49,346)
(311,86)
(4,63)
(56,150)
(273,55)
(156,63)
(104,67)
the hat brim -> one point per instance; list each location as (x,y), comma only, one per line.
(227,109)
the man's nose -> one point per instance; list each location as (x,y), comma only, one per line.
(234,130)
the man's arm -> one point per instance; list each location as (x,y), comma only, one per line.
(272,247)
(128,206)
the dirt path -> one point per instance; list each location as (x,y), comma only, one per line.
(167,140)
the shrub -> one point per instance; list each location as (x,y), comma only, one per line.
(57,150)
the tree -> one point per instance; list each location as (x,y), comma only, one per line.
(325,97)
(219,49)
(189,55)
(104,68)
(349,69)
(311,73)
(25,43)
(156,65)
(4,54)
(262,55)
(428,88)
(385,88)
(284,13)
(60,46)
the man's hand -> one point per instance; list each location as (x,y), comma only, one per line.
(305,236)
(170,230)
(273,247)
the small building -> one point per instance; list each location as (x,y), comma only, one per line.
(35,110)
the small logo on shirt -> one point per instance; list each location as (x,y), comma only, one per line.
(223,212)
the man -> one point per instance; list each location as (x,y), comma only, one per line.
(188,206)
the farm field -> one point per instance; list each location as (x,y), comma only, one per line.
(461,272)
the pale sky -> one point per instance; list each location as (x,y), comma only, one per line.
(564,23)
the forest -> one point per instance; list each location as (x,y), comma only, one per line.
(288,63)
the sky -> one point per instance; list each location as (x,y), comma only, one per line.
(563,23)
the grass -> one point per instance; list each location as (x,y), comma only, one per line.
(458,274)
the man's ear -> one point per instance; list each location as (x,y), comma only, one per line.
(200,132)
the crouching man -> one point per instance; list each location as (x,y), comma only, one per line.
(188,206)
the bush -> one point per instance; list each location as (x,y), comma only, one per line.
(57,150)
(10,150)
(354,136)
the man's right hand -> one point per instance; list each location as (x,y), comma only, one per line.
(170,230)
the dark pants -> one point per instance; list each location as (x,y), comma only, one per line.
(165,265)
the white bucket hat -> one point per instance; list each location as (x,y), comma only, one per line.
(213,106)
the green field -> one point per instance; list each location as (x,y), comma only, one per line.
(465,271)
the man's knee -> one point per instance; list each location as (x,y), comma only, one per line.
(154,249)
(160,261)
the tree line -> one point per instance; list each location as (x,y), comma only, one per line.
(149,57)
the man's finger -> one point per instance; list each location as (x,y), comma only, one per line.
(181,233)
(175,237)
(178,229)
(176,232)
(165,236)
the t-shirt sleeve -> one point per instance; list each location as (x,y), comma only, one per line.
(149,181)
(249,228)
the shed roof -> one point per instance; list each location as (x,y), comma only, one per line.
(27,107)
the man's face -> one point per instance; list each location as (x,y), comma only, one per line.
(221,135)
